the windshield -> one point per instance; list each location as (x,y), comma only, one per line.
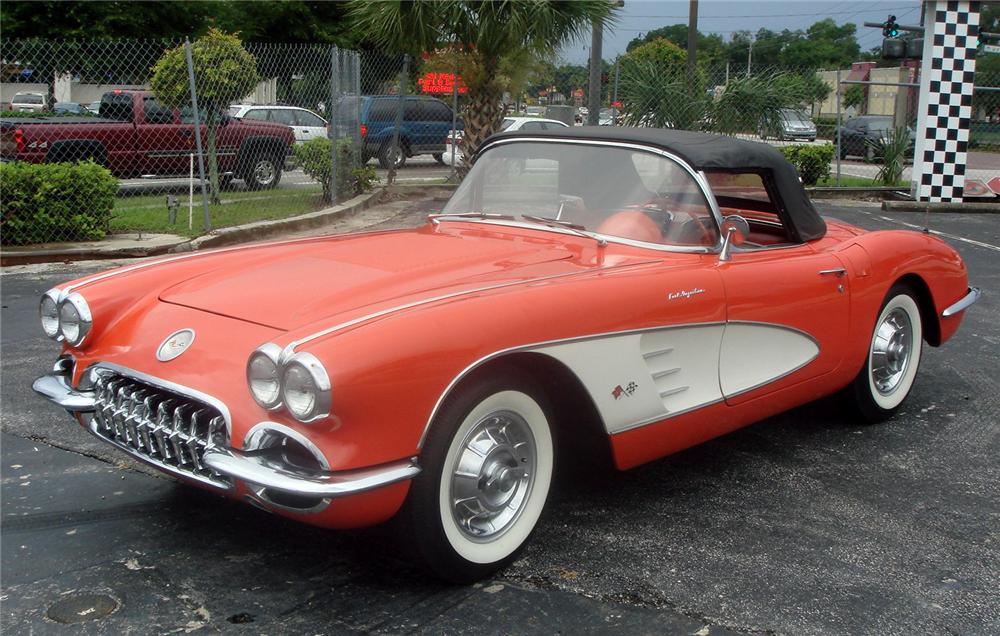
(880,125)
(615,192)
(27,98)
(795,117)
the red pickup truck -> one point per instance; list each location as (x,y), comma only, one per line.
(134,135)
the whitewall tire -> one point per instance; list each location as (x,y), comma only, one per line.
(487,465)
(893,357)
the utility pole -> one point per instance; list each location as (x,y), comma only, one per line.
(594,87)
(692,44)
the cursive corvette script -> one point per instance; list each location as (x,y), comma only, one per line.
(685,294)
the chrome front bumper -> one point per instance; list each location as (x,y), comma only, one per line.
(258,468)
(964,303)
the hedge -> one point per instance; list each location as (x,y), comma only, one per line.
(811,161)
(55,202)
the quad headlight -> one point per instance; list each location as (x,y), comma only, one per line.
(48,312)
(264,376)
(300,383)
(66,318)
(305,388)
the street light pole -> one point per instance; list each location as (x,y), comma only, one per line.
(692,44)
(594,87)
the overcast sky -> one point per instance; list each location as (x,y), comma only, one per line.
(726,16)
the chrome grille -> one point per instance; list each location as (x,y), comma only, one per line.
(162,427)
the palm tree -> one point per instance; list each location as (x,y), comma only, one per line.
(486,32)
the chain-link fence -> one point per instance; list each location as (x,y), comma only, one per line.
(863,115)
(284,129)
(280,129)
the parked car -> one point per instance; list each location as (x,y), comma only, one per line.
(862,136)
(643,293)
(790,124)
(29,103)
(509,124)
(70,108)
(304,123)
(535,111)
(134,135)
(426,123)
(609,117)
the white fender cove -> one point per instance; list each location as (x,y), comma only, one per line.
(641,377)
(755,354)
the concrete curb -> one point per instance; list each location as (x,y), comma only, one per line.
(113,247)
(866,194)
(962,208)
(125,248)
(260,230)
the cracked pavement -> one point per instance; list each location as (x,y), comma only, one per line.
(801,524)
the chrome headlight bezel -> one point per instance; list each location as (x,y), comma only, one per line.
(320,380)
(272,354)
(85,319)
(51,298)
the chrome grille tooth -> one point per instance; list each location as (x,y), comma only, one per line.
(130,417)
(216,425)
(147,422)
(118,414)
(165,428)
(176,425)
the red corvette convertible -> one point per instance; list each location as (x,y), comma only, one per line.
(651,289)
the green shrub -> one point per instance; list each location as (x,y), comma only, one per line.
(15,114)
(314,157)
(811,161)
(55,202)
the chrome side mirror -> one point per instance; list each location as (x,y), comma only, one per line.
(735,230)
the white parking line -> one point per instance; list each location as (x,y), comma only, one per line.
(887,219)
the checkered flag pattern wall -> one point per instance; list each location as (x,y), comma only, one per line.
(949,103)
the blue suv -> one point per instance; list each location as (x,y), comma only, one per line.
(425,126)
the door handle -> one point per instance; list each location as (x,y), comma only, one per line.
(839,272)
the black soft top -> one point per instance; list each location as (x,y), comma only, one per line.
(710,152)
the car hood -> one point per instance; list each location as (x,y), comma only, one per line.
(289,285)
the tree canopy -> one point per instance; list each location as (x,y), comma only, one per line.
(286,21)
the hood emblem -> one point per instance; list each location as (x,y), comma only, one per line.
(175,344)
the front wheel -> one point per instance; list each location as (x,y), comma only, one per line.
(439,157)
(887,376)
(263,172)
(488,461)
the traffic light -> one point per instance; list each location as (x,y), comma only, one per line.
(889,28)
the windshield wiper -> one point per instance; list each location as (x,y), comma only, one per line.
(575,228)
(435,218)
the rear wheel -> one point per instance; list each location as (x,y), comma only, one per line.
(488,461)
(439,157)
(391,156)
(887,376)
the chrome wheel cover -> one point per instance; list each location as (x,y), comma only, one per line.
(263,172)
(493,476)
(892,349)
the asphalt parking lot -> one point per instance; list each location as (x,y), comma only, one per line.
(802,524)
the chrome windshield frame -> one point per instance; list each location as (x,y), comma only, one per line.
(697,175)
